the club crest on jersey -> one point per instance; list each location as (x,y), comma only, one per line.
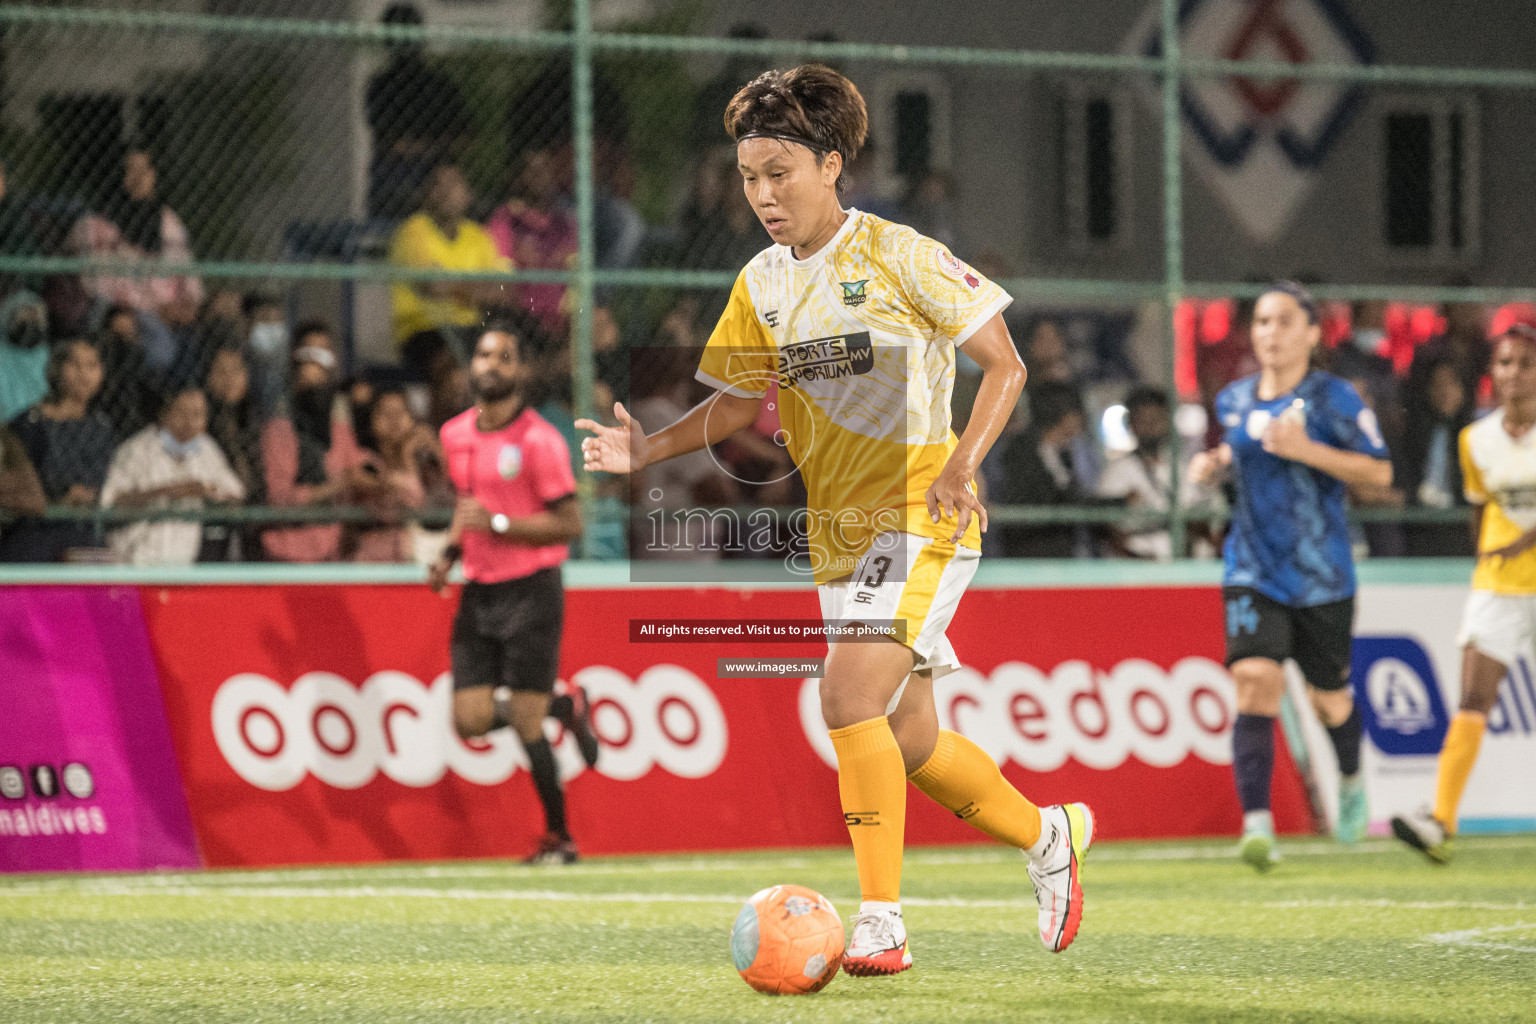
(853,292)
(955,270)
(509,461)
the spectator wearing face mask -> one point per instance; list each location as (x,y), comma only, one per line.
(23,353)
(310,456)
(170,464)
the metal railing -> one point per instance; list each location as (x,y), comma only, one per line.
(584,45)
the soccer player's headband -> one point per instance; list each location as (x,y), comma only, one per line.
(1303,298)
(810,144)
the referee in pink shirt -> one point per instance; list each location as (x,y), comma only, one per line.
(515,517)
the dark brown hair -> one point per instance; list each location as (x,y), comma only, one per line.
(810,104)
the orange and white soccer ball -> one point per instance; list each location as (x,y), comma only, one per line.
(787,940)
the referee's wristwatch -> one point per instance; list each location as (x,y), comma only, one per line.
(501,524)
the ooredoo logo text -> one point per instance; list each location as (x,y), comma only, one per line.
(347,735)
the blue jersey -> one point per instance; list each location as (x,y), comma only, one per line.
(1289,537)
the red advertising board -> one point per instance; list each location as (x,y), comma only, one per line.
(312,722)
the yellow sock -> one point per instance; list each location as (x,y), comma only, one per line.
(1457,757)
(871,779)
(961,777)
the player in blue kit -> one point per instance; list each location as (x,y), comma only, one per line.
(1295,439)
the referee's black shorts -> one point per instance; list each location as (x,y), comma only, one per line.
(1318,638)
(508,633)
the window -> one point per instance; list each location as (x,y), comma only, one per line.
(1429,177)
(1096,168)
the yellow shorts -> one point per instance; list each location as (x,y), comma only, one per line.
(915,581)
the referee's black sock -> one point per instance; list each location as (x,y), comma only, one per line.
(561,707)
(1346,742)
(1253,759)
(546,779)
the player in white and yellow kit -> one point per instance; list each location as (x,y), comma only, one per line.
(858,319)
(1498,465)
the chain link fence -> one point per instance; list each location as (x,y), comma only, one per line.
(304,212)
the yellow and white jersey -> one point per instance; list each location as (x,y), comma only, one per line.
(861,340)
(1499,473)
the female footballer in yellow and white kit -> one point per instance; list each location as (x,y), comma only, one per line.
(858,319)
(1498,466)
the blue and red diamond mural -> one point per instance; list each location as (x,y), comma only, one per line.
(1259,143)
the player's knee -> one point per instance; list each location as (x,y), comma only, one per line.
(842,706)
(470,722)
(1260,683)
(1333,707)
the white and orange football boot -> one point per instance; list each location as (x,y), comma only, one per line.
(878,944)
(1055,866)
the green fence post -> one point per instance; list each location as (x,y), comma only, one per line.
(581,337)
(1173,258)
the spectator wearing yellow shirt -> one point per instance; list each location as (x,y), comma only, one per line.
(440,237)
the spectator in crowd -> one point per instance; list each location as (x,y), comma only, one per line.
(874,192)
(1464,344)
(1046,355)
(542,116)
(18,235)
(127,394)
(1362,355)
(268,347)
(309,456)
(688,481)
(21,491)
(170,464)
(1037,469)
(135,224)
(1429,464)
(70,445)
(718,229)
(706,130)
(234,424)
(429,315)
(418,118)
(404,472)
(1143,477)
(534,229)
(929,207)
(23,353)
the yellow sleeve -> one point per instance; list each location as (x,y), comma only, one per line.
(953,296)
(412,244)
(488,257)
(1471,477)
(740,357)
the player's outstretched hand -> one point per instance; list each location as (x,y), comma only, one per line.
(437,573)
(620,449)
(952,493)
(1206,466)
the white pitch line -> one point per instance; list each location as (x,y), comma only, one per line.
(1386,904)
(473,895)
(1473,937)
(368,892)
(695,865)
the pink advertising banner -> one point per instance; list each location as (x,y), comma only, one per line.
(88,775)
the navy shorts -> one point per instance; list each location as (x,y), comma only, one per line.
(1318,638)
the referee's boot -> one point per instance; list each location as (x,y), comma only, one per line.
(554,848)
(574,713)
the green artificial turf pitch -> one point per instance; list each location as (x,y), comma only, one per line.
(1171,932)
